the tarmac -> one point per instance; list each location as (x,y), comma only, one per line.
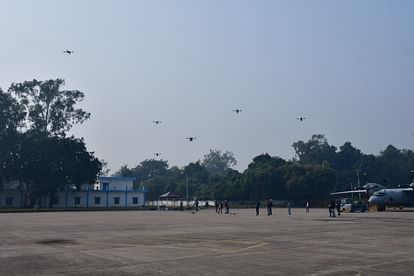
(204,243)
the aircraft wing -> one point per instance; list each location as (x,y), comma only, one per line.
(350,192)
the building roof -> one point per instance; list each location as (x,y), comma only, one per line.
(116,178)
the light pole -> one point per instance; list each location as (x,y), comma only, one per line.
(412,176)
(365,177)
(187,191)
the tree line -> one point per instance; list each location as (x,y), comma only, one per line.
(34,148)
(317,169)
(35,151)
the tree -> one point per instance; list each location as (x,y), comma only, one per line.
(394,166)
(49,164)
(198,178)
(315,151)
(105,170)
(346,165)
(308,182)
(51,111)
(217,162)
(11,117)
(264,178)
(124,171)
(146,170)
(228,186)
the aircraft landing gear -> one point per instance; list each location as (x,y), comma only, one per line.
(380,208)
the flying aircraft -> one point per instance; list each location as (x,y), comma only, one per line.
(157,122)
(190,138)
(157,154)
(237,110)
(301,119)
(69,52)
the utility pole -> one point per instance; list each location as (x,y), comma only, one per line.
(412,176)
(358,177)
(187,192)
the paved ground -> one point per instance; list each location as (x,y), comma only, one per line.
(178,243)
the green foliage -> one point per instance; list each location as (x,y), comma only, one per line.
(34,149)
(217,162)
(11,118)
(51,111)
(315,151)
(318,170)
(308,182)
(49,164)
(264,178)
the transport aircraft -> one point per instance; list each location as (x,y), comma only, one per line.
(382,197)
(395,197)
(69,52)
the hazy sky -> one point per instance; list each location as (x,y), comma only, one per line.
(348,66)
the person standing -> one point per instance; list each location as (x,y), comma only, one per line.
(221,207)
(338,208)
(216,204)
(257,207)
(332,209)
(196,204)
(307,206)
(289,209)
(227,207)
(269,207)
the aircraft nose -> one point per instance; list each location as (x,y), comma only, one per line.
(373,200)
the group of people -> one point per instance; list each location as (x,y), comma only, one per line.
(269,207)
(219,207)
(333,208)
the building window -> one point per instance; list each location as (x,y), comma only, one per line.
(97,200)
(55,200)
(135,200)
(9,200)
(77,200)
(105,187)
(116,200)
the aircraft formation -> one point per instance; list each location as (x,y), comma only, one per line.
(158,122)
(376,194)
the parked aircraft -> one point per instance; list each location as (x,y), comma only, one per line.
(368,189)
(381,197)
(397,197)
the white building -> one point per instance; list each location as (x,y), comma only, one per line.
(107,192)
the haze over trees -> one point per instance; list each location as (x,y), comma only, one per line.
(34,149)
(317,169)
(217,163)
